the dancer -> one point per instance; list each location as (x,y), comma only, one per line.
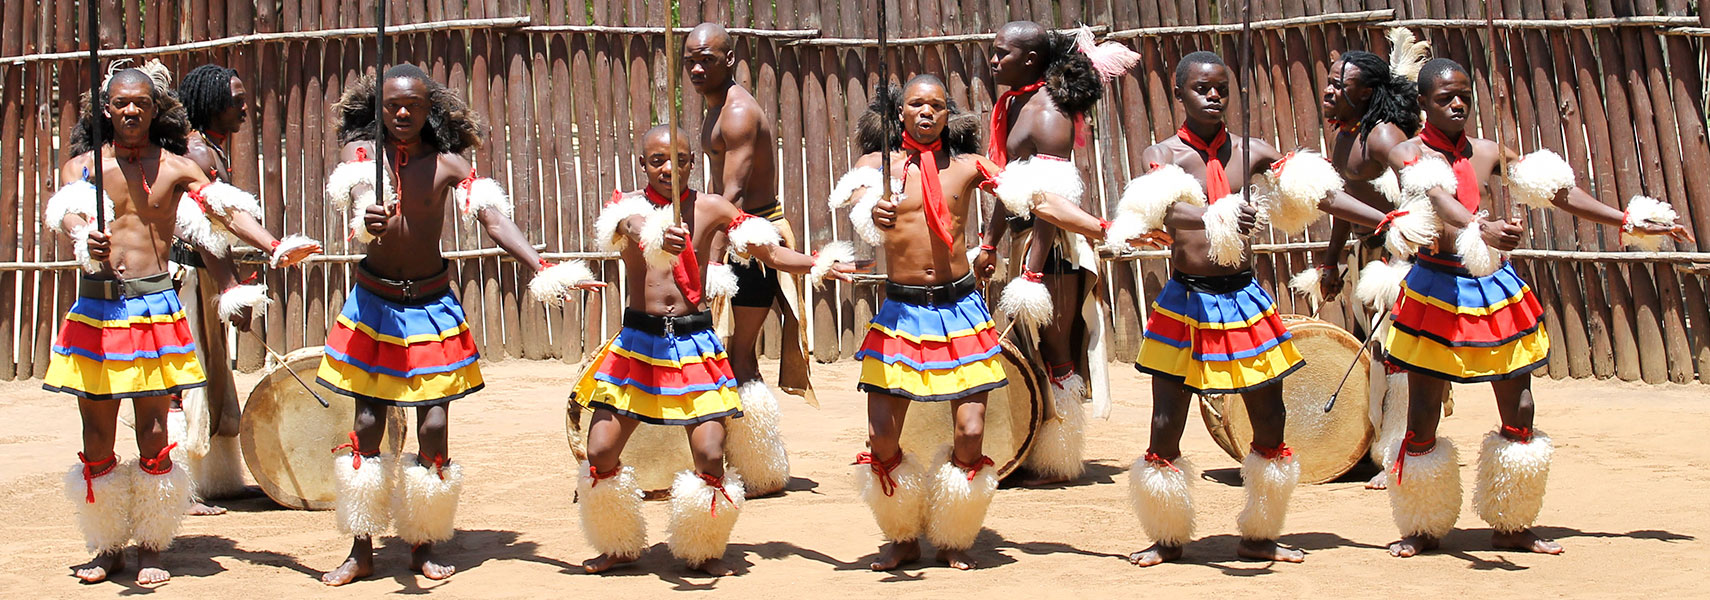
(667,367)
(401,340)
(1465,316)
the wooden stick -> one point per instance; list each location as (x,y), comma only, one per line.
(787,34)
(95,98)
(671,101)
(238,40)
(1688,31)
(1357,17)
(914,41)
(1605,22)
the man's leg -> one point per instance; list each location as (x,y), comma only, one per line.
(1059,444)
(100,492)
(963,484)
(1425,483)
(1160,482)
(893,485)
(1513,466)
(364,493)
(608,496)
(746,323)
(1269,473)
(425,504)
(161,492)
(756,441)
(705,503)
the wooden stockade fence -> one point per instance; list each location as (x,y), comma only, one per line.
(1615,86)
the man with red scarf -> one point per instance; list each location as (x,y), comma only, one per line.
(1465,316)
(667,366)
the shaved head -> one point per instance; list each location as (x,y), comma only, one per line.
(128,76)
(1027,35)
(709,35)
(659,134)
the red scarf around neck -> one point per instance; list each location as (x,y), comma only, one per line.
(1458,151)
(687,269)
(1216,178)
(999,149)
(937,214)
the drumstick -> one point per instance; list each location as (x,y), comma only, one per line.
(1363,347)
(281,359)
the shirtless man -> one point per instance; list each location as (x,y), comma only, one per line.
(1465,316)
(741,147)
(403,292)
(1213,329)
(97,356)
(666,367)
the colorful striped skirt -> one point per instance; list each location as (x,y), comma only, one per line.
(1465,329)
(931,343)
(664,371)
(416,353)
(134,346)
(1217,335)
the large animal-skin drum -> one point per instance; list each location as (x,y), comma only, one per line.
(288,437)
(1327,444)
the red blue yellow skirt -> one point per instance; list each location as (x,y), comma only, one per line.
(932,352)
(1465,329)
(1217,335)
(401,354)
(137,347)
(676,374)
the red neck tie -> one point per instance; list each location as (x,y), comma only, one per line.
(687,269)
(937,215)
(999,149)
(1466,181)
(1216,179)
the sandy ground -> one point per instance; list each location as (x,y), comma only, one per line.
(1626,499)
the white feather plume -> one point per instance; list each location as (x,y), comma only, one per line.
(253,297)
(1407,54)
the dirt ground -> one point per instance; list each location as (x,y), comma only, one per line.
(1626,499)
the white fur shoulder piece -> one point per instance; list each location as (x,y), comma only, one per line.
(344,179)
(253,297)
(1023,183)
(474,195)
(1646,210)
(1424,174)
(223,199)
(550,287)
(1300,182)
(1536,178)
(613,215)
(856,179)
(77,197)
(1147,199)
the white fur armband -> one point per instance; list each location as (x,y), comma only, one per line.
(1388,185)
(1024,183)
(1306,283)
(1147,199)
(1380,283)
(80,247)
(343,181)
(1029,301)
(358,223)
(1478,257)
(1223,230)
(1425,174)
(750,232)
(823,260)
(653,239)
(553,285)
(475,195)
(1300,181)
(1644,210)
(721,281)
(194,226)
(287,245)
(1536,178)
(861,213)
(77,197)
(253,297)
(612,217)
(1412,226)
(223,199)
(855,180)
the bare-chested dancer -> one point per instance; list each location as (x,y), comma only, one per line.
(1213,329)
(403,300)
(741,148)
(1465,316)
(126,336)
(667,366)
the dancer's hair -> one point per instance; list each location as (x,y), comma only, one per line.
(961,135)
(1431,75)
(1194,59)
(170,129)
(1070,77)
(206,92)
(451,126)
(1394,98)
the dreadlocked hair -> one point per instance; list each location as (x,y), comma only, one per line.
(883,121)
(1395,99)
(170,129)
(451,126)
(206,92)
(1070,77)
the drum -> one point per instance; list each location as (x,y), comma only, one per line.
(1327,444)
(287,436)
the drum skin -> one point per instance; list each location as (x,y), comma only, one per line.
(1013,413)
(1327,444)
(288,437)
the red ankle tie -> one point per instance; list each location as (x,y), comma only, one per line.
(1154,458)
(152,465)
(89,473)
(1409,440)
(356,454)
(1281,451)
(594,474)
(973,470)
(716,483)
(438,463)
(1518,434)
(887,484)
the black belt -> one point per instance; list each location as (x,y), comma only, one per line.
(667,326)
(114,289)
(931,295)
(405,291)
(186,255)
(1214,284)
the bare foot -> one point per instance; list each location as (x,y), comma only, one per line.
(353,569)
(1413,545)
(1268,550)
(97,570)
(715,567)
(422,561)
(1525,540)
(1379,481)
(149,571)
(198,509)
(1043,480)
(604,562)
(1156,555)
(896,554)
(957,559)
